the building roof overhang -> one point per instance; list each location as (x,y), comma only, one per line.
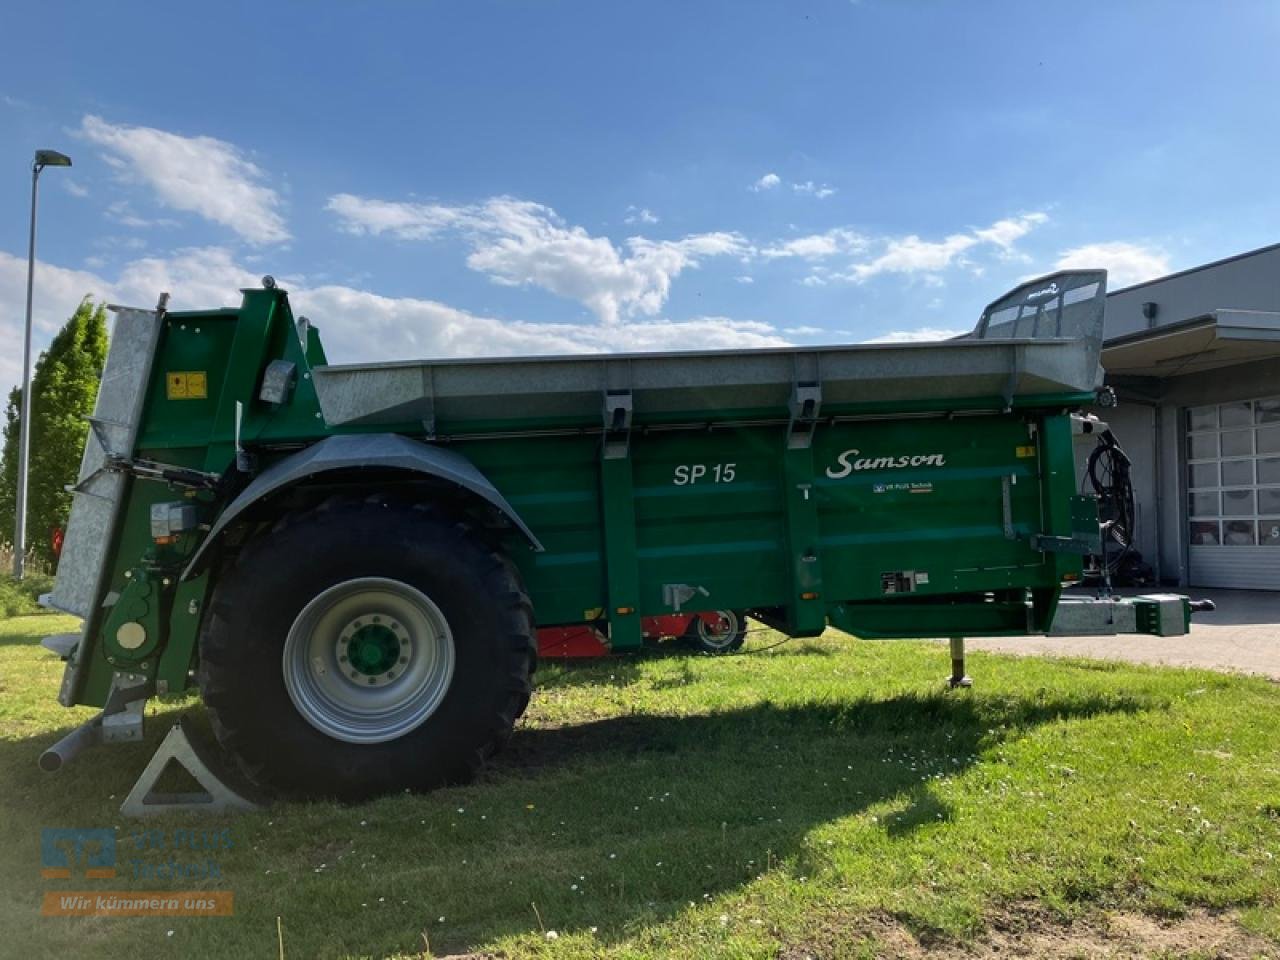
(1219,339)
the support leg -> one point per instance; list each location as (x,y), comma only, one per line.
(958,676)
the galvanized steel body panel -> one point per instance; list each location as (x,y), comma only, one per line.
(456,395)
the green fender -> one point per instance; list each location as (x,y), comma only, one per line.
(379,450)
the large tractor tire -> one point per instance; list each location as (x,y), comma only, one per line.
(365,647)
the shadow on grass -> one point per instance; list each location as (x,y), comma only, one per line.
(654,811)
(27,629)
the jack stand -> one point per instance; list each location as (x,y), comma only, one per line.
(958,676)
(177,747)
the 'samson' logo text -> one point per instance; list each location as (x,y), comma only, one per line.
(848,463)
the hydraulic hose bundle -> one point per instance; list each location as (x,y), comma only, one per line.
(1108,473)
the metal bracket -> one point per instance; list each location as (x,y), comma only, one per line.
(277,381)
(214,797)
(122,716)
(1015,375)
(427,403)
(617,424)
(805,406)
(674,595)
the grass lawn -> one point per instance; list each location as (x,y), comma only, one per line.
(824,798)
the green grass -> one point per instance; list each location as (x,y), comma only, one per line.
(719,807)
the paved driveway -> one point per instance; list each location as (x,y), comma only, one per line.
(1242,634)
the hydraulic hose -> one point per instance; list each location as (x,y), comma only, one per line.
(1108,472)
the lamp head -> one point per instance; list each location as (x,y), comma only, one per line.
(52,158)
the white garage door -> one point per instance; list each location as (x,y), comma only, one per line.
(1233,494)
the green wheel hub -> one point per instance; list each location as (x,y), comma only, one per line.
(372,648)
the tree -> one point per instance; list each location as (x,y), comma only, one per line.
(63,388)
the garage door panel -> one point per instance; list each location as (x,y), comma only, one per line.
(1233,494)
(1241,568)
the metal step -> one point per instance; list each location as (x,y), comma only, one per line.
(61,643)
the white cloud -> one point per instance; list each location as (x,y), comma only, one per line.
(640,215)
(1125,263)
(122,213)
(522,243)
(408,221)
(201,175)
(771,181)
(803,331)
(74,188)
(820,191)
(1005,233)
(911,255)
(816,246)
(745,279)
(918,335)
(356,324)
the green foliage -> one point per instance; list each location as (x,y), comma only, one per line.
(64,387)
(18,597)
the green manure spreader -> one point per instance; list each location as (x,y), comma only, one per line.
(351,561)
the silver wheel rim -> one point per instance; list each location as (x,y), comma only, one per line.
(368,660)
(720,639)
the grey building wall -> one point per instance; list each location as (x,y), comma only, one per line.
(1250,281)
(1150,428)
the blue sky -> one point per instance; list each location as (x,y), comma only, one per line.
(451,179)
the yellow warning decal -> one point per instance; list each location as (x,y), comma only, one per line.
(1026,452)
(186,385)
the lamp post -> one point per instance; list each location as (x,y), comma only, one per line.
(43,158)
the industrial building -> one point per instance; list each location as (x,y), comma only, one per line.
(1194,359)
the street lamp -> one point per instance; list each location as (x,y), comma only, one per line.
(43,158)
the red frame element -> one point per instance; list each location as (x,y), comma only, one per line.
(584,640)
